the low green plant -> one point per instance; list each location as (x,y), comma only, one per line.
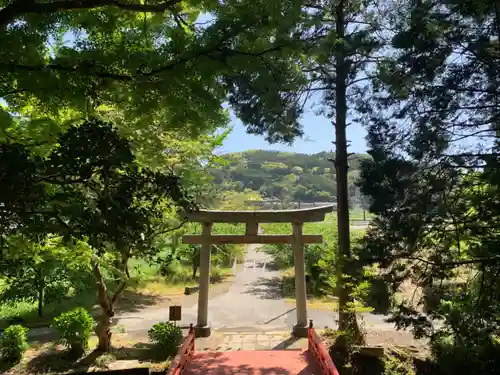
(104,360)
(74,327)
(167,337)
(13,344)
(398,363)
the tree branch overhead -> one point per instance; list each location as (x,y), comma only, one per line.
(22,7)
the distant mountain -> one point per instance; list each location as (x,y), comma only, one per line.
(286,176)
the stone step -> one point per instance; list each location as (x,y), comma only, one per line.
(237,341)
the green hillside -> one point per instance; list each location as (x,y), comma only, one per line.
(284,175)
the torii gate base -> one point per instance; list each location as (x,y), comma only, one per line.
(252,219)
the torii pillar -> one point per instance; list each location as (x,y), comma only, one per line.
(300,328)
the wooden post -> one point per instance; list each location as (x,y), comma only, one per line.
(300,329)
(202,328)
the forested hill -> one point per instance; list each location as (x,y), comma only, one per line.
(285,175)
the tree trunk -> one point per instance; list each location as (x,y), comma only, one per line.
(102,330)
(347,317)
(195,270)
(41,287)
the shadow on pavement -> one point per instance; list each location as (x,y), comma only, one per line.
(279,316)
(270,265)
(287,343)
(266,288)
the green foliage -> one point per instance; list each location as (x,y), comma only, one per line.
(13,344)
(90,188)
(41,271)
(398,363)
(74,328)
(284,175)
(167,337)
(435,188)
(150,68)
(454,356)
(320,261)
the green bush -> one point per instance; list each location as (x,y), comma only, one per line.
(167,337)
(379,296)
(13,343)
(398,363)
(74,327)
(480,355)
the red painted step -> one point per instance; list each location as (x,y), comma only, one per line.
(258,362)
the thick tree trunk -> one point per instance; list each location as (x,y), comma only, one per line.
(103,328)
(347,317)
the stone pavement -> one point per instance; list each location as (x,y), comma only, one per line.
(234,341)
(252,303)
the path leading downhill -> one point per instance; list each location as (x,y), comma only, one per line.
(254,302)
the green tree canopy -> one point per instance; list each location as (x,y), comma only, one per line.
(433,181)
(148,67)
(90,188)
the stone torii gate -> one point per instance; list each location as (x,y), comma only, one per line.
(252,219)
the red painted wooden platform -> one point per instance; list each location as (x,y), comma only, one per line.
(258,362)
(316,360)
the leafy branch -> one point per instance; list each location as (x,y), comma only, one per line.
(22,7)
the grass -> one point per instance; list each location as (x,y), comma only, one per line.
(326,228)
(315,299)
(357,214)
(26,313)
(145,288)
(318,303)
(171,286)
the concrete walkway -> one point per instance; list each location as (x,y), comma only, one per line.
(252,304)
(255,303)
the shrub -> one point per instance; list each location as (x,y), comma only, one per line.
(13,343)
(167,337)
(74,327)
(398,363)
(480,355)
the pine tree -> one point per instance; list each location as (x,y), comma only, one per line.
(333,49)
(434,179)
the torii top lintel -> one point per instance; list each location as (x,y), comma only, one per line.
(261,216)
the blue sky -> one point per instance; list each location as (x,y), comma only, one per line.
(319,134)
